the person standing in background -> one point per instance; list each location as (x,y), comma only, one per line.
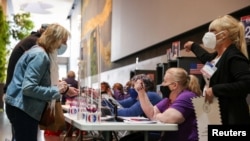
(30,88)
(19,49)
(72,82)
(226,70)
(71,79)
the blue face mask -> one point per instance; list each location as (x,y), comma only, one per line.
(133,93)
(61,49)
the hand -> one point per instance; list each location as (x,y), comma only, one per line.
(188,45)
(72,92)
(62,86)
(139,86)
(209,95)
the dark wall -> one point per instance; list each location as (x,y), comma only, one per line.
(160,48)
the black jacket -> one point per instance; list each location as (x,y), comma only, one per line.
(230,83)
(17,52)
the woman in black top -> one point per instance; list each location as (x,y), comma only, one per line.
(226,70)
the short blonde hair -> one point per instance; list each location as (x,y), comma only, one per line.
(53,37)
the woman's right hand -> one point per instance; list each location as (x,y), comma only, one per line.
(62,86)
(188,45)
(209,95)
(139,86)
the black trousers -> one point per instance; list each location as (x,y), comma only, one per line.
(24,127)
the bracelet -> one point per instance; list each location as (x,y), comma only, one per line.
(66,91)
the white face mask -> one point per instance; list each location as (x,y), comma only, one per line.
(61,49)
(209,39)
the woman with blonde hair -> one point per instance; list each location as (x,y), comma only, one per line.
(31,86)
(226,70)
(178,108)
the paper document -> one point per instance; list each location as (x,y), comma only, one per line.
(206,114)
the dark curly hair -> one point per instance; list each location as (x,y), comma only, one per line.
(148,83)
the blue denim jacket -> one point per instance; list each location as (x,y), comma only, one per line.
(30,87)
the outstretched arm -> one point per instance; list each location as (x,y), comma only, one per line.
(146,105)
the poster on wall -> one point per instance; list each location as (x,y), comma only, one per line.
(90,22)
(90,57)
(246,21)
(175,51)
(168,53)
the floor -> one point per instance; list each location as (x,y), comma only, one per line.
(5,131)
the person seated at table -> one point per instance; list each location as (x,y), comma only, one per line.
(105,88)
(178,108)
(127,86)
(118,91)
(131,105)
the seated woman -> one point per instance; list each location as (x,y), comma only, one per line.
(105,88)
(178,108)
(131,106)
(119,93)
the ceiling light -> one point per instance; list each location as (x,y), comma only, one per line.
(36,7)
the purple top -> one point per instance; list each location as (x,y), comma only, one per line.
(120,96)
(188,129)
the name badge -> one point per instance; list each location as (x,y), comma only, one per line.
(208,69)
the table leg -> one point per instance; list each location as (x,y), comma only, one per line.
(68,132)
(79,136)
(115,135)
(107,135)
(146,136)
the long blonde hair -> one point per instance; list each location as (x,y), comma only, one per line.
(235,29)
(52,37)
(190,82)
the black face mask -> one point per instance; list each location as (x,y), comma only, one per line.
(165,91)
